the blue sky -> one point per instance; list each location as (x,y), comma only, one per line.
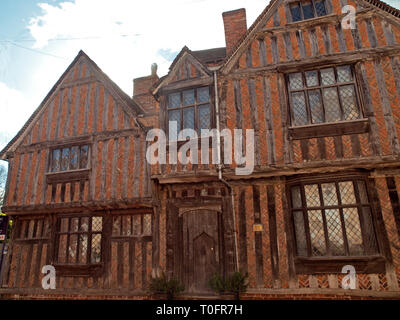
(40,38)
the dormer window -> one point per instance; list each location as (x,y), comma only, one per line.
(304,10)
(191,109)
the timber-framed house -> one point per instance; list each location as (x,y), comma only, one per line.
(323,99)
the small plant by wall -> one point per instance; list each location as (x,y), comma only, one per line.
(163,287)
(234,284)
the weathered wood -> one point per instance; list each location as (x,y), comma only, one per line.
(68,176)
(242,232)
(371,33)
(258,236)
(269,120)
(273,236)
(330,129)
(300,43)
(387,110)
(274,47)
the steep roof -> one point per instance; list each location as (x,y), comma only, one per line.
(211,56)
(131,105)
(268,10)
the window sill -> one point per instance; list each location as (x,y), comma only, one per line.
(87,270)
(315,20)
(366,264)
(329,129)
(67,176)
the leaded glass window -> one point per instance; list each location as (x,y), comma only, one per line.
(333,218)
(69,158)
(308,9)
(190,109)
(78,240)
(136,225)
(323,95)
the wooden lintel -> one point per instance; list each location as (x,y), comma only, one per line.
(329,129)
(144,203)
(193,177)
(294,65)
(203,81)
(67,176)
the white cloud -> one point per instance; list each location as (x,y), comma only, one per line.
(125,37)
(15,109)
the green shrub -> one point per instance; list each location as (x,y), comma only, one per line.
(217,283)
(236,283)
(163,285)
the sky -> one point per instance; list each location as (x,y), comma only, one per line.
(40,38)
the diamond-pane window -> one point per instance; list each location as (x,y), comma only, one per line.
(300,108)
(295,11)
(335,229)
(96,248)
(188,118)
(312,195)
(347,194)
(344,74)
(328,76)
(317,114)
(75,236)
(312,78)
(308,10)
(323,99)
(349,102)
(204,117)
(317,233)
(335,234)
(203,95)
(320,8)
(331,103)
(296,81)
(174,100)
(329,194)
(188,97)
(353,231)
(190,109)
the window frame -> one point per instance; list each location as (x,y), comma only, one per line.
(367,263)
(76,268)
(196,107)
(69,146)
(300,5)
(305,89)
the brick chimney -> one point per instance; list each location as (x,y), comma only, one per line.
(235,25)
(143,85)
(141,90)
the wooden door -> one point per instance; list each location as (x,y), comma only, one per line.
(201,249)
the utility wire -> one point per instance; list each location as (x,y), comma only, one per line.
(34,50)
(69,39)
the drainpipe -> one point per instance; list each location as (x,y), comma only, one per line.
(220,168)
